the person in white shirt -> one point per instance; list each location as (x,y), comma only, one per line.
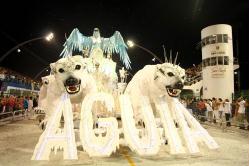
(220,108)
(215,106)
(183,101)
(227,111)
(208,104)
(241,113)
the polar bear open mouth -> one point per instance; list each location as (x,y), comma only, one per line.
(173,92)
(72,89)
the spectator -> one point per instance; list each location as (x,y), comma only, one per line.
(17,104)
(12,101)
(4,103)
(201,109)
(21,102)
(220,108)
(233,108)
(227,111)
(237,107)
(184,102)
(193,106)
(35,102)
(30,104)
(241,113)
(25,103)
(189,106)
(215,109)
(247,113)
(208,104)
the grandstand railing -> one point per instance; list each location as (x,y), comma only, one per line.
(193,80)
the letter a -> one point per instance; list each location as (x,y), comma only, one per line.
(56,139)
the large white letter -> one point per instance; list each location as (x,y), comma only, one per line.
(54,138)
(170,129)
(93,145)
(187,133)
(149,143)
(199,133)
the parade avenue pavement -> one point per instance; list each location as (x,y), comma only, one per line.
(18,140)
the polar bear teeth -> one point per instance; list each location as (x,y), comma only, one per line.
(173,92)
(73,89)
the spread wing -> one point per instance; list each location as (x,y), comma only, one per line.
(116,44)
(75,42)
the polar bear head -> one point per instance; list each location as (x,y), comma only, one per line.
(49,90)
(69,74)
(43,92)
(170,77)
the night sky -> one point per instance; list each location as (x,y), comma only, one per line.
(177,24)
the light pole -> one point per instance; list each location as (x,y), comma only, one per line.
(49,37)
(131,44)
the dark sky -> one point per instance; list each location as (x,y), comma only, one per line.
(177,24)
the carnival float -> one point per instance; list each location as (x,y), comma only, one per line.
(102,112)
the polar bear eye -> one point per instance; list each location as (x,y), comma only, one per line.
(46,82)
(183,77)
(77,67)
(170,74)
(61,70)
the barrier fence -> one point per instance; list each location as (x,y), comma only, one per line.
(12,116)
(222,122)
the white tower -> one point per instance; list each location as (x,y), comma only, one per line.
(217,61)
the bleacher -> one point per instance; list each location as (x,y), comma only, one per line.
(193,75)
(10,78)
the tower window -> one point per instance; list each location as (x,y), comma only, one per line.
(213,61)
(226,60)
(220,60)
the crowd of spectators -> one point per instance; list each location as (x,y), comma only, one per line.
(218,110)
(12,78)
(193,74)
(13,103)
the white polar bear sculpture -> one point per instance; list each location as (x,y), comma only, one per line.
(68,75)
(159,85)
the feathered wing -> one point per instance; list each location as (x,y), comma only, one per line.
(116,44)
(75,42)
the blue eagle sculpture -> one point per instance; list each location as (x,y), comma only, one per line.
(115,44)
